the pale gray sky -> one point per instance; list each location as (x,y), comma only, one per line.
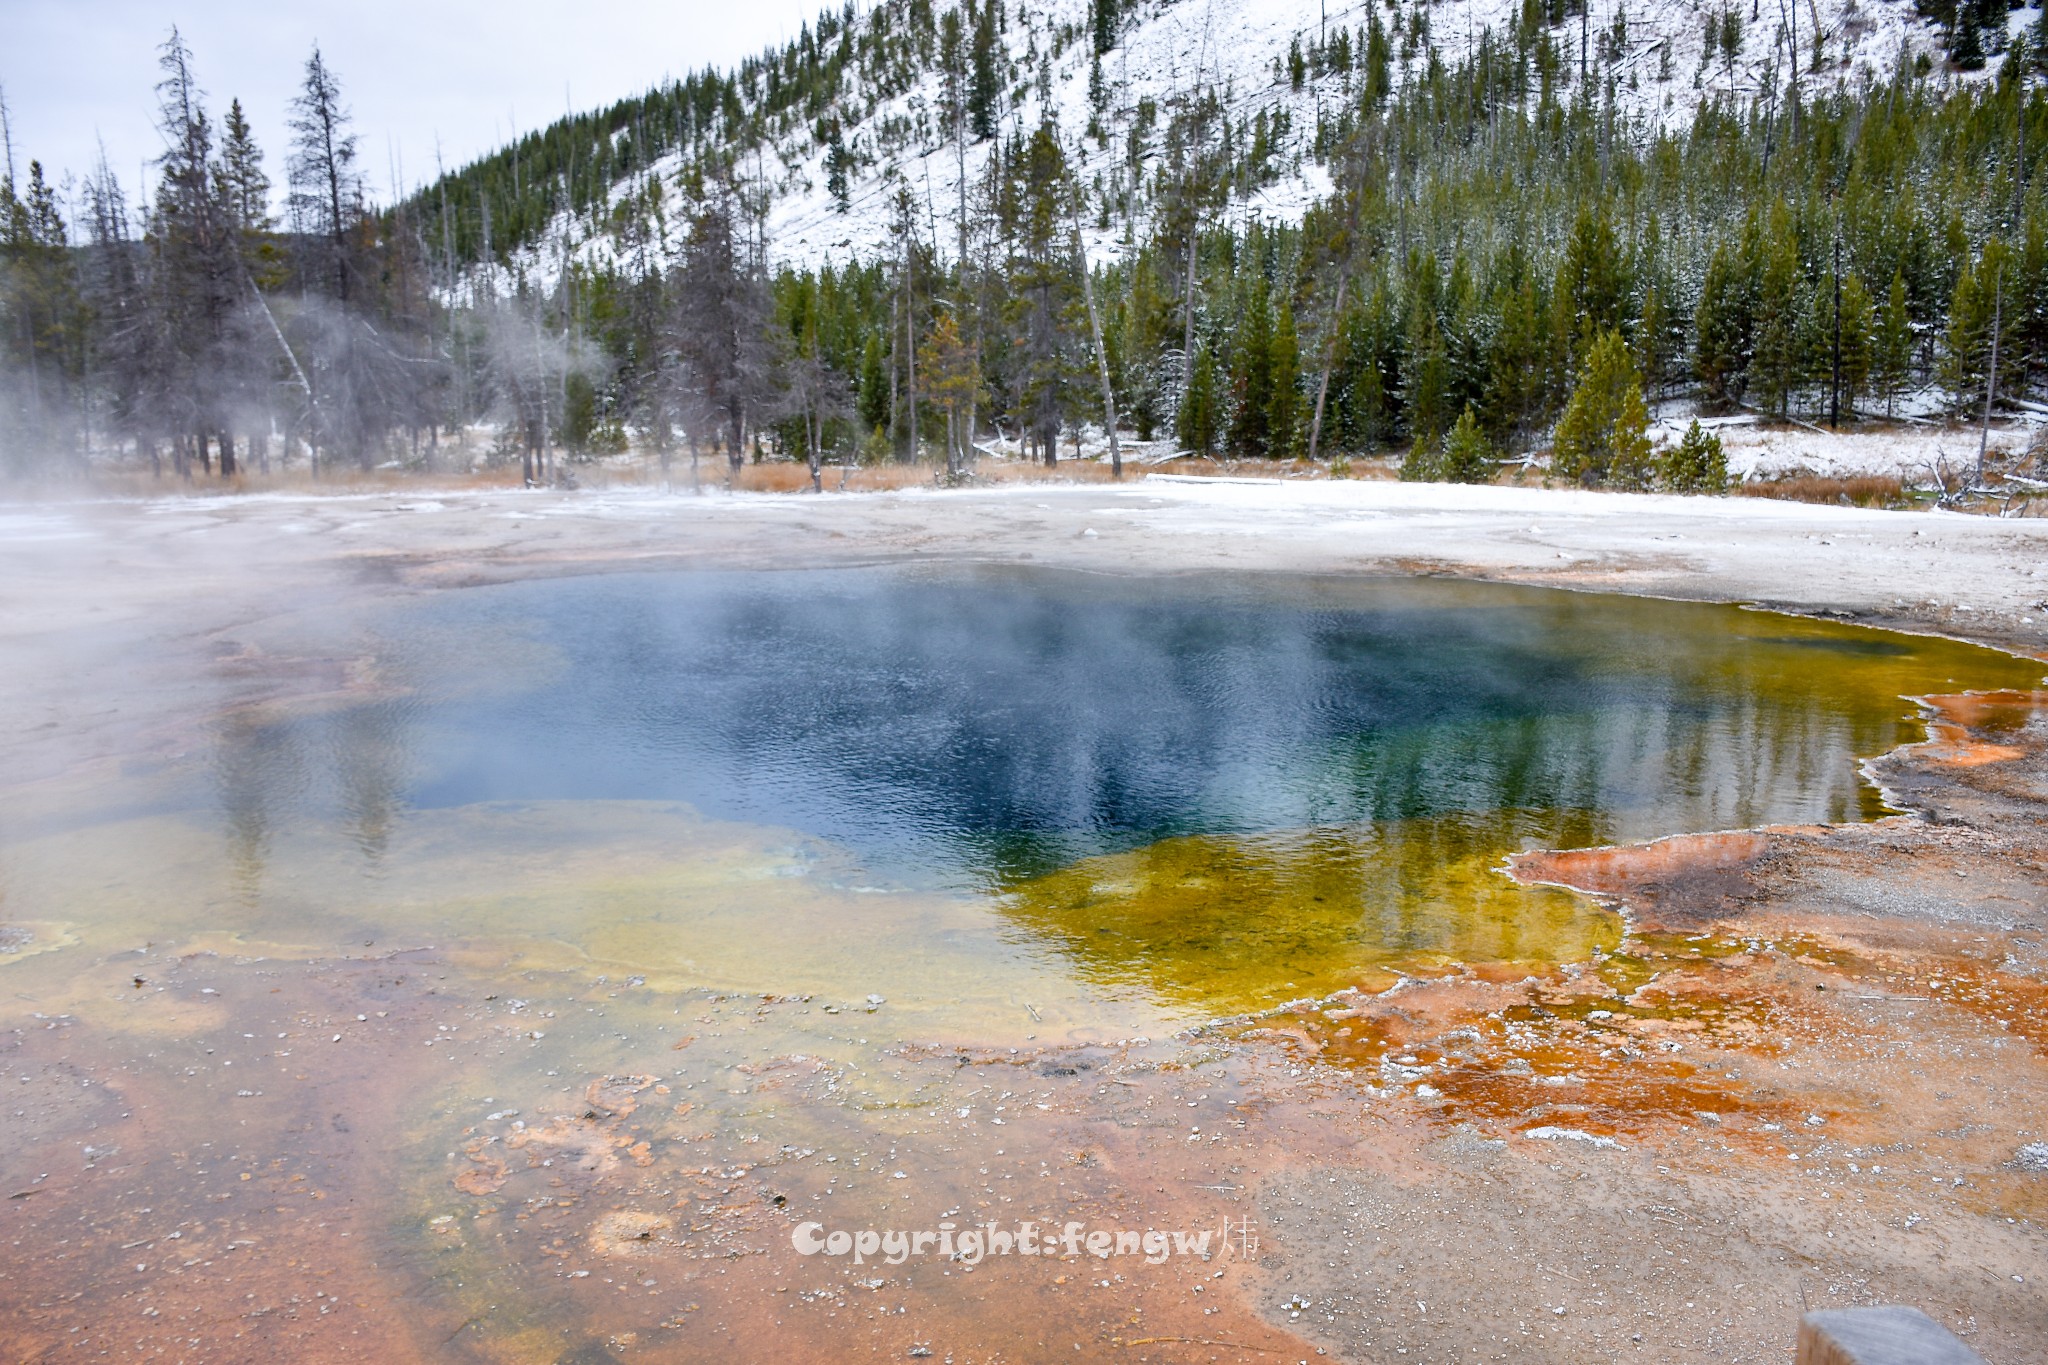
(74,70)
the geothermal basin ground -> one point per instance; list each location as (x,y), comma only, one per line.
(338,1025)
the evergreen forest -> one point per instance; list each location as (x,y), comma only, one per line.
(1508,259)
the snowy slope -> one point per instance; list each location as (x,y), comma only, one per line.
(1174,46)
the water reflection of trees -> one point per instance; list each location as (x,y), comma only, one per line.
(370,747)
(348,768)
(255,768)
(1000,731)
(1018,725)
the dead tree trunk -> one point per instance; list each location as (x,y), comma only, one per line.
(1116,457)
(1315,426)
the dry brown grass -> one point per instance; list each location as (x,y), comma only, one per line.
(770,476)
(1855,490)
(788,476)
(140,483)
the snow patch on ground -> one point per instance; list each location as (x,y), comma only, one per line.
(1380,496)
(1910,448)
(1912,453)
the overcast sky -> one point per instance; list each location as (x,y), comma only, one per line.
(412,70)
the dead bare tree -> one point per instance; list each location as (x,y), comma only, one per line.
(1116,456)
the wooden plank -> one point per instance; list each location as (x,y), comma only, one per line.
(1892,1335)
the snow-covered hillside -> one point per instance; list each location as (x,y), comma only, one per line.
(1655,58)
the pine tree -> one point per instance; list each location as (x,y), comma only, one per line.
(1892,351)
(1652,339)
(1429,391)
(1603,435)
(122,344)
(1423,463)
(579,411)
(1967,342)
(243,186)
(954,380)
(1696,464)
(1369,363)
(1856,327)
(1966,42)
(1251,376)
(837,164)
(42,322)
(1102,20)
(1517,383)
(1722,327)
(1196,426)
(1465,337)
(1774,366)
(982,80)
(1466,458)
(1143,321)
(722,313)
(1379,63)
(1813,345)
(326,191)
(2027,292)
(1592,288)
(196,273)
(1043,294)
(873,404)
(1283,421)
